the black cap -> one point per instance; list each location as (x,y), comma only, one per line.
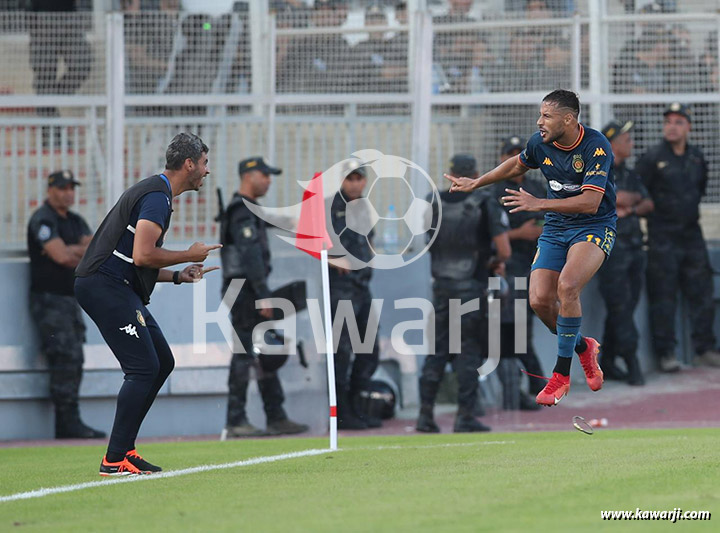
(61,178)
(614,128)
(256,163)
(514,142)
(463,165)
(354,167)
(680,109)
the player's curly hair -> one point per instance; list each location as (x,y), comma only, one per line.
(182,147)
(566,99)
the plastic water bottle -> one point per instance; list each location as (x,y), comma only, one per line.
(390,234)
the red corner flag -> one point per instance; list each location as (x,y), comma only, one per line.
(312,235)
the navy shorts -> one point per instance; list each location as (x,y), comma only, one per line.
(554,243)
(125,323)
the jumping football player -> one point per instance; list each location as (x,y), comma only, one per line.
(579,230)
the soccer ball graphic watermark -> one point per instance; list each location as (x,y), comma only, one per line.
(405,229)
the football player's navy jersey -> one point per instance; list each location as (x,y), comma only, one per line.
(569,170)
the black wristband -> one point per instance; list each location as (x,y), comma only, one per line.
(176,277)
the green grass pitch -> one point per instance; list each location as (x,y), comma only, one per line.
(554,481)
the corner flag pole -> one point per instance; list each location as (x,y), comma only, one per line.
(312,238)
(329,348)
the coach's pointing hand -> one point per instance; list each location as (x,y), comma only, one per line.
(194,273)
(461,184)
(199,251)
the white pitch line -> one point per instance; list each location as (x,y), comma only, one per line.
(425,446)
(39,493)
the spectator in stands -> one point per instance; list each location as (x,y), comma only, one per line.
(148,44)
(553,68)
(380,64)
(55,36)
(458,11)
(486,69)
(525,228)
(683,73)
(621,275)
(709,64)
(523,54)
(453,50)
(57,239)
(541,8)
(642,67)
(675,173)
(319,63)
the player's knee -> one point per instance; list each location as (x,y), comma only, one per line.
(541,303)
(568,290)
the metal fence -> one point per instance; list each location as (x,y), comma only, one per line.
(103,94)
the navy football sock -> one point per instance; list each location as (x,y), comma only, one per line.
(568,329)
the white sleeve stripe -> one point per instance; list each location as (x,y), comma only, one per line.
(130,228)
(122,256)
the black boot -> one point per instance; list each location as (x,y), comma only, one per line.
(635,376)
(426,422)
(362,407)
(465,422)
(347,419)
(68,425)
(610,369)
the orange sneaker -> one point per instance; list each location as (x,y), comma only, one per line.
(590,365)
(121,468)
(138,462)
(556,389)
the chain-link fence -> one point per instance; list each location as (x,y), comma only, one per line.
(102,95)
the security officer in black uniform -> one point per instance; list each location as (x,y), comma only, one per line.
(246,254)
(57,239)
(675,174)
(620,277)
(350,285)
(461,258)
(525,228)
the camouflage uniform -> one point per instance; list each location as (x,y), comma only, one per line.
(61,327)
(245,234)
(353,371)
(519,266)
(620,277)
(57,315)
(459,257)
(677,254)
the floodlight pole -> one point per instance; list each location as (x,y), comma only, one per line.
(330,354)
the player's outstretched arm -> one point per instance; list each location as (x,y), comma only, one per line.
(190,274)
(146,254)
(585,203)
(508,169)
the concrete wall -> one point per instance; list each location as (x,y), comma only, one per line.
(194,399)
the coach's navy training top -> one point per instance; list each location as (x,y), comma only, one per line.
(154,206)
(569,170)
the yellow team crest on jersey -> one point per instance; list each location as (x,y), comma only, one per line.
(577,163)
(140,318)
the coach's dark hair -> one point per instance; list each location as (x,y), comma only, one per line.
(182,147)
(563,98)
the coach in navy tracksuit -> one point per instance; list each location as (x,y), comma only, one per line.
(116,277)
